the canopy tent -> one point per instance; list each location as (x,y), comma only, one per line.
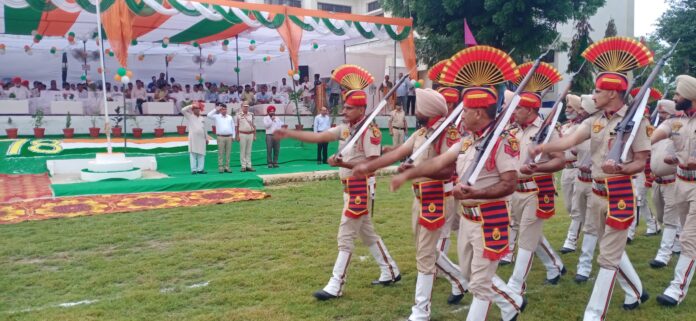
(139,28)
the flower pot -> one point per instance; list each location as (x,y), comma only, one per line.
(299,127)
(137,132)
(181,130)
(11,132)
(213,129)
(39,132)
(117,131)
(159,132)
(68,132)
(94,132)
(333,125)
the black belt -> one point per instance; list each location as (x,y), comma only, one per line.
(398,127)
(218,135)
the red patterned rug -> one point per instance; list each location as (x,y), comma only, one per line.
(35,210)
(14,188)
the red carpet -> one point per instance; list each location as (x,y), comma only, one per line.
(14,188)
(106,204)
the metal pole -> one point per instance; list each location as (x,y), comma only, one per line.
(345,59)
(236,58)
(394,77)
(125,126)
(103,76)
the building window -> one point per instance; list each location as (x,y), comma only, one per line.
(550,57)
(334,7)
(374,5)
(291,3)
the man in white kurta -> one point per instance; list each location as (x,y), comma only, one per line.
(197,137)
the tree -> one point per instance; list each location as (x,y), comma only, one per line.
(677,23)
(611,29)
(583,82)
(528,26)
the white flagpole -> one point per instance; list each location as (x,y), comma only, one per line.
(103,78)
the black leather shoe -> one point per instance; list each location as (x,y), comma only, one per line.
(243,170)
(654,233)
(666,300)
(522,307)
(643,297)
(202,172)
(553,281)
(565,250)
(581,278)
(655,264)
(250,169)
(322,295)
(194,173)
(455,298)
(503,262)
(564,271)
(676,252)
(388,282)
(629,240)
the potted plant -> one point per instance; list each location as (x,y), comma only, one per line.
(295,97)
(137,131)
(159,131)
(10,130)
(116,130)
(38,122)
(68,131)
(94,130)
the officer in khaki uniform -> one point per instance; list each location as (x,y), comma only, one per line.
(664,190)
(397,124)
(429,210)
(570,172)
(246,134)
(583,193)
(682,132)
(483,229)
(612,203)
(355,219)
(533,200)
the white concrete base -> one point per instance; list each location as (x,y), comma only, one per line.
(114,162)
(131,174)
(75,166)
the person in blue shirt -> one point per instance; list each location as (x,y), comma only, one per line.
(322,123)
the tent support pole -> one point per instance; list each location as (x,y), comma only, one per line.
(236,58)
(103,78)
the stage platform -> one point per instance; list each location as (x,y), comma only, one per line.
(28,156)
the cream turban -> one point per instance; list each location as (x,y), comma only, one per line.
(686,87)
(573,101)
(667,105)
(430,103)
(588,104)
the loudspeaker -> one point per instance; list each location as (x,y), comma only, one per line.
(304,72)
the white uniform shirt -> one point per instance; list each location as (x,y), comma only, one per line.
(272,124)
(224,125)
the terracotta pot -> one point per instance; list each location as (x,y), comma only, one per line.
(94,132)
(137,132)
(299,127)
(117,131)
(181,130)
(159,132)
(39,132)
(333,125)
(11,132)
(213,129)
(68,132)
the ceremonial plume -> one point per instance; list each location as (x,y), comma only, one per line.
(352,77)
(435,72)
(618,54)
(543,78)
(655,94)
(478,66)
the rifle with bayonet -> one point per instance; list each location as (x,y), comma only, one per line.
(496,128)
(627,128)
(544,134)
(655,117)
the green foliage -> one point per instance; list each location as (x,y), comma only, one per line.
(38,118)
(583,82)
(611,29)
(678,23)
(68,120)
(528,26)
(160,121)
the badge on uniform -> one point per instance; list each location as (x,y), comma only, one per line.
(512,148)
(676,126)
(376,137)
(452,136)
(345,134)
(649,130)
(465,145)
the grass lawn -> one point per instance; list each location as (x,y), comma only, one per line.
(259,260)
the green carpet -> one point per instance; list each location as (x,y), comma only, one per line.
(174,162)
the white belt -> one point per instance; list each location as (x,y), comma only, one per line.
(527,186)
(688,173)
(599,186)
(448,187)
(472,211)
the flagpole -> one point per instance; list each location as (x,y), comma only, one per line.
(103,78)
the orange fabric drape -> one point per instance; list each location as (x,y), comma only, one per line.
(229,33)
(292,36)
(408,51)
(56,22)
(117,22)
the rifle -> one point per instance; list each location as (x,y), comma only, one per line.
(362,126)
(635,80)
(544,134)
(497,126)
(654,117)
(627,128)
